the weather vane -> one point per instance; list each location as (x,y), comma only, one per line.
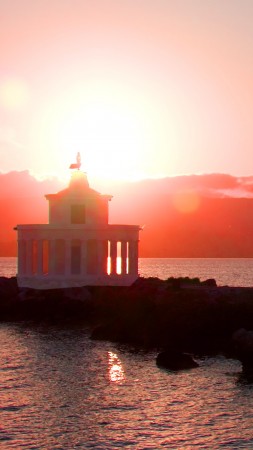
(77,165)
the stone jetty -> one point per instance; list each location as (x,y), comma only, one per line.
(180,313)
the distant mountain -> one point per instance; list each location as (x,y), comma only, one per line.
(190,216)
(186,216)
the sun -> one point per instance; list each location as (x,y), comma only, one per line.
(108,131)
(108,138)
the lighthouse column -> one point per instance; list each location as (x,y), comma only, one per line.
(113,254)
(21,257)
(123,257)
(102,256)
(83,257)
(29,256)
(51,265)
(40,257)
(133,257)
(68,258)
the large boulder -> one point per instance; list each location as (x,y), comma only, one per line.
(175,360)
(210,282)
(243,346)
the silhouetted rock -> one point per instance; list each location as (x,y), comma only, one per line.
(107,332)
(175,360)
(210,282)
(81,294)
(243,345)
(8,297)
(8,287)
(198,319)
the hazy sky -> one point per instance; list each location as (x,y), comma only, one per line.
(142,88)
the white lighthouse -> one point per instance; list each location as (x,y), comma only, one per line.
(78,247)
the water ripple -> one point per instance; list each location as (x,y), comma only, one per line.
(59,390)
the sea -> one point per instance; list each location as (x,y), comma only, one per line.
(61,390)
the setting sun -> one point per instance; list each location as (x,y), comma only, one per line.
(111,129)
(108,136)
(141,91)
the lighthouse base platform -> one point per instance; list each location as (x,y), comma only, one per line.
(49,282)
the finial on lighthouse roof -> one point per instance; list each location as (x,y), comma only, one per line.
(77,165)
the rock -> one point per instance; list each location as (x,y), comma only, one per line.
(80,294)
(210,282)
(176,283)
(107,332)
(26,293)
(175,360)
(8,287)
(243,346)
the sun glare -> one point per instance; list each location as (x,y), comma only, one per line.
(186,201)
(13,94)
(108,132)
(107,138)
(115,368)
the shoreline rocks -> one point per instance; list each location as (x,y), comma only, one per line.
(243,345)
(175,360)
(192,316)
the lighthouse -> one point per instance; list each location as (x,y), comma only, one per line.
(78,246)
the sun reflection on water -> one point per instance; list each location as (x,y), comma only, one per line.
(115,368)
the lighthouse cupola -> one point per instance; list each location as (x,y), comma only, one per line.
(78,204)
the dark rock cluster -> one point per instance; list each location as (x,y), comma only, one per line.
(186,315)
(243,348)
(174,360)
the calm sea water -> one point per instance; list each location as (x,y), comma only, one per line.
(60,390)
(226,271)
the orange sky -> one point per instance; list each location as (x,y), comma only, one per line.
(142,88)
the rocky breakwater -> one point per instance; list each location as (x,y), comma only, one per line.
(243,348)
(180,313)
(51,306)
(189,315)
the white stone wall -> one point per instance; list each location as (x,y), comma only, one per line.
(53,257)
